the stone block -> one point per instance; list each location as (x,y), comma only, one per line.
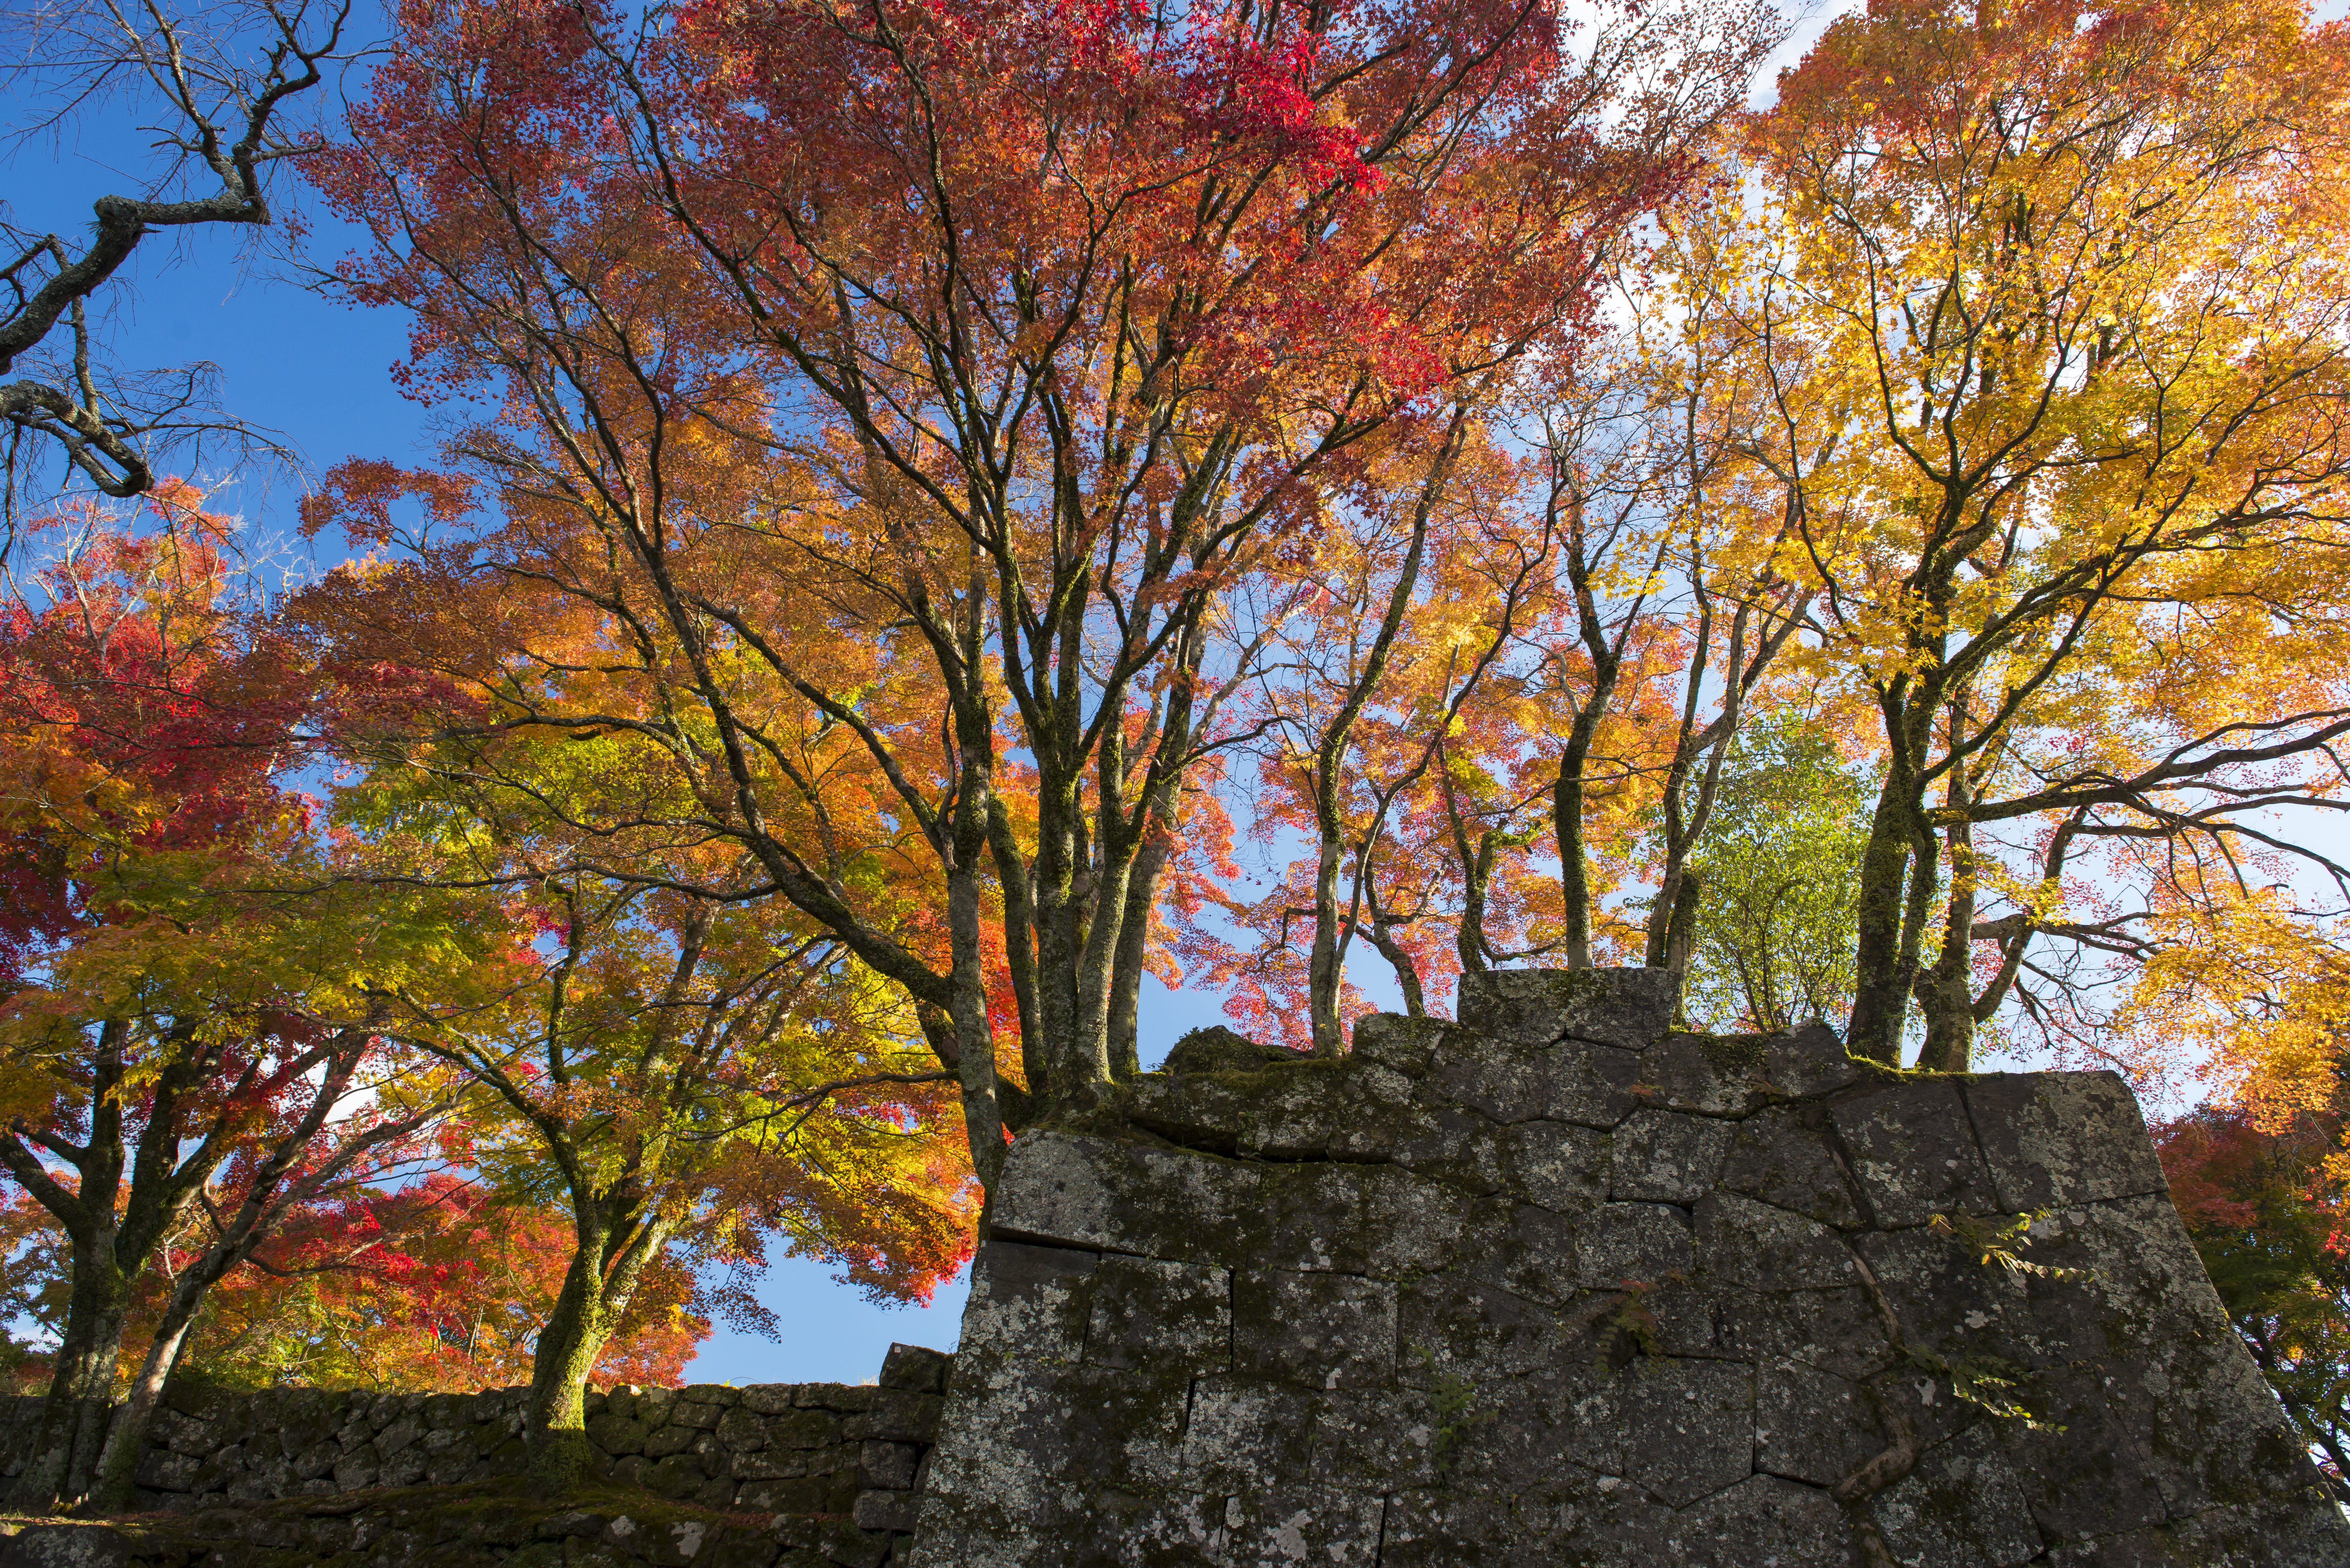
(392,1439)
(1696,1436)
(791,1494)
(808,1428)
(1625,1008)
(1459,1326)
(1780,1156)
(1761,1521)
(357,1468)
(914,1366)
(163,1470)
(1357,1218)
(1948,1302)
(1172,1320)
(699,1414)
(1507,1082)
(1217,1049)
(1812,1425)
(1530,1252)
(781,1464)
(1398,1044)
(1028,1307)
(1960,1507)
(741,1430)
(1837,1331)
(1639,1242)
(1662,1157)
(1340,1529)
(887,1466)
(663,1441)
(843,1397)
(2056,1140)
(1104,1430)
(1810,1060)
(1913,1152)
(1306,1109)
(887,1511)
(67,1546)
(317,1459)
(1719,1074)
(1251,1434)
(774,1398)
(1758,1248)
(898,1415)
(1072,1191)
(1319,1330)
(616,1435)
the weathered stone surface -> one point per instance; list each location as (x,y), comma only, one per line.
(1173,1319)
(1279,1112)
(1662,1157)
(2057,1140)
(1758,1248)
(1720,1074)
(65,1546)
(1913,1151)
(1779,1158)
(1811,1061)
(1325,1331)
(1621,1007)
(1962,1505)
(1109,1195)
(1562,1284)
(1216,1049)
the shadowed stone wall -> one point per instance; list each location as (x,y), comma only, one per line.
(833,1464)
(1561,1285)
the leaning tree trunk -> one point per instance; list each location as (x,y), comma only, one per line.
(117,1471)
(568,1346)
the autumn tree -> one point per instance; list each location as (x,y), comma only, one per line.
(688,1077)
(441,1285)
(1059,325)
(189,1053)
(2058,289)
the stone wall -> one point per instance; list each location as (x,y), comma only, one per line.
(1562,1285)
(840,1453)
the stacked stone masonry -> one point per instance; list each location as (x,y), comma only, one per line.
(834,1464)
(1562,1285)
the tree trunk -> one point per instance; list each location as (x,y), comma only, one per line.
(72,1432)
(1322,967)
(1880,992)
(1476,877)
(1098,956)
(1133,951)
(126,1437)
(1072,1060)
(573,1337)
(1947,994)
(1573,868)
(1680,942)
(1019,941)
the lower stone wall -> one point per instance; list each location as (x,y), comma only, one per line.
(847,1457)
